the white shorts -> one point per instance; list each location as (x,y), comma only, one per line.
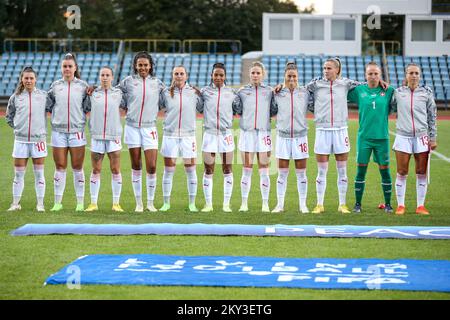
(25,150)
(105,146)
(255,141)
(146,138)
(64,140)
(332,141)
(292,148)
(218,143)
(411,145)
(174,147)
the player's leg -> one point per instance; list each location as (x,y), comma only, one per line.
(264,179)
(362,161)
(151,156)
(246,179)
(60,144)
(38,155)
(116,179)
(403,148)
(227,164)
(283,172)
(381,156)
(77,159)
(20,164)
(421,160)
(209,159)
(95,180)
(341,146)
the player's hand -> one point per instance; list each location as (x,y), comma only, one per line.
(90,90)
(278,88)
(433,145)
(384,84)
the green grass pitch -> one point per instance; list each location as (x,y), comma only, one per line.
(27,261)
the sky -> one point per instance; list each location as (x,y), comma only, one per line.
(321,6)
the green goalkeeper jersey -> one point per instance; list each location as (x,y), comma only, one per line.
(373,107)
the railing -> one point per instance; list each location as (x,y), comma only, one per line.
(212,46)
(60,45)
(153,45)
(390,47)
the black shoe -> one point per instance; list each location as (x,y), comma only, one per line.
(388,208)
(357,208)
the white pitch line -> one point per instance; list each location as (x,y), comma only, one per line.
(437,154)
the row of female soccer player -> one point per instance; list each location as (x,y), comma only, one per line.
(142,95)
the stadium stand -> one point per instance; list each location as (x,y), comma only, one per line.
(435,69)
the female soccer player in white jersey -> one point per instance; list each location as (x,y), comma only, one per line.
(26,114)
(255,136)
(65,102)
(106,135)
(416,135)
(217,108)
(181,102)
(141,93)
(292,136)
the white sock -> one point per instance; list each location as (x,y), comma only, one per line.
(421,188)
(191,176)
(167,183)
(59,184)
(400,189)
(116,186)
(302,186)
(264,184)
(18,184)
(39,183)
(281,186)
(342,181)
(246,183)
(136,181)
(208,188)
(94,187)
(151,187)
(321,181)
(78,183)
(227,188)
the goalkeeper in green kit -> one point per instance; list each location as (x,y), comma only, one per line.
(373,133)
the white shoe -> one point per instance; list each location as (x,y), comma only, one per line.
(15,207)
(304,210)
(265,208)
(139,208)
(226,208)
(40,208)
(278,210)
(243,208)
(151,208)
(207,208)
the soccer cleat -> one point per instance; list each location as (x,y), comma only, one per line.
(192,207)
(165,207)
(139,208)
(15,207)
(422,210)
(381,206)
(151,208)
(40,208)
(207,208)
(400,210)
(357,208)
(92,207)
(243,208)
(57,207)
(226,208)
(304,210)
(117,208)
(343,209)
(388,208)
(265,208)
(80,207)
(278,209)
(319,209)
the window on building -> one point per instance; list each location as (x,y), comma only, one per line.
(446,31)
(281,29)
(311,29)
(343,30)
(423,30)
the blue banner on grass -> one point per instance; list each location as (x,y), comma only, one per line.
(224,271)
(279,230)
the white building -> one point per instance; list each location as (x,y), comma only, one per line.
(341,32)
